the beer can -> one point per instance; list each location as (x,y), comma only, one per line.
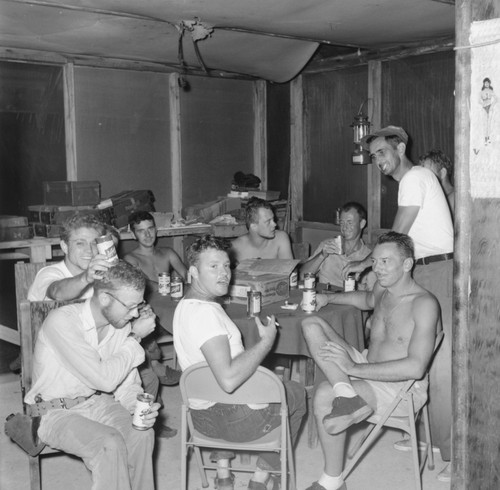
(253,303)
(176,287)
(339,241)
(309,280)
(106,246)
(294,279)
(308,300)
(164,283)
(142,407)
(350,283)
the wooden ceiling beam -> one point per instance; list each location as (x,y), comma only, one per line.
(386,54)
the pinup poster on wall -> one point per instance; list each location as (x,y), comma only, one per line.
(485,109)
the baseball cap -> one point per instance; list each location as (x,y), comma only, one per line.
(387,131)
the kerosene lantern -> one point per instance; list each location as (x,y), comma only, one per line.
(361,127)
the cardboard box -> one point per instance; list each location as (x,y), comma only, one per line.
(48,231)
(269,276)
(14,233)
(8,221)
(72,193)
(56,215)
(209,210)
(126,202)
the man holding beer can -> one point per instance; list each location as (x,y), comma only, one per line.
(333,254)
(86,383)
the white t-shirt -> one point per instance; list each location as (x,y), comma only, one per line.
(432,230)
(48,275)
(196,322)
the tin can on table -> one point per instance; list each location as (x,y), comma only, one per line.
(164,283)
(142,407)
(350,283)
(294,279)
(309,280)
(253,303)
(106,246)
(176,287)
(308,300)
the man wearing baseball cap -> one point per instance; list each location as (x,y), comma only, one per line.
(424,215)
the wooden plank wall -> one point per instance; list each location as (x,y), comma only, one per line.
(331,101)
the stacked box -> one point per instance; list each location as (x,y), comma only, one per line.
(126,202)
(14,228)
(56,215)
(72,193)
(48,231)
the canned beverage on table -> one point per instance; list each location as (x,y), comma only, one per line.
(309,280)
(308,300)
(294,279)
(142,407)
(106,246)
(253,303)
(350,283)
(164,283)
(176,287)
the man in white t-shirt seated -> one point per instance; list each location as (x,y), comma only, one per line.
(329,259)
(204,332)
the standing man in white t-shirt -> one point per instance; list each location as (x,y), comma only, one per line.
(424,215)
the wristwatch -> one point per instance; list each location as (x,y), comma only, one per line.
(135,336)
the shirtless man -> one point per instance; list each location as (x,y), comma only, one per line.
(404,326)
(152,260)
(149,258)
(263,240)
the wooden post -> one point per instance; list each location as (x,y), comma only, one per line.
(298,151)
(260,131)
(475,372)
(70,121)
(176,154)
(375,114)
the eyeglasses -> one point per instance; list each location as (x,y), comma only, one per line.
(129,308)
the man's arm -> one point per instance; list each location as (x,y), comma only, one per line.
(231,373)
(284,245)
(405,217)
(73,287)
(425,312)
(363,300)
(177,264)
(84,361)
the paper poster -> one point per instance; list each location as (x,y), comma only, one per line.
(485,109)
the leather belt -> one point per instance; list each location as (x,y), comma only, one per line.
(434,258)
(41,408)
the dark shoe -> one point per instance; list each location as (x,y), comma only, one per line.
(171,377)
(345,412)
(316,486)
(164,431)
(224,483)
(272,483)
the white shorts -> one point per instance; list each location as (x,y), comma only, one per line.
(385,391)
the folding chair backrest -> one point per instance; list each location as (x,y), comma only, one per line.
(25,273)
(32,316)
(263,386)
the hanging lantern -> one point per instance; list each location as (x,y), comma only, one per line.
(361,127)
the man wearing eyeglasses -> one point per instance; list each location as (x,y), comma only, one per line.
(75,276)
(85,381)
